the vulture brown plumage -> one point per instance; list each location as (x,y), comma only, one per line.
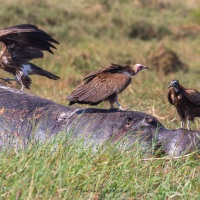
(21,44)
(104,85)
(186,101)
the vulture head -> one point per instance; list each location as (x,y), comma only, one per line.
(139,67)
(127,70)
(175,84)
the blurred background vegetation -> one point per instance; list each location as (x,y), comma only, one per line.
(162,34)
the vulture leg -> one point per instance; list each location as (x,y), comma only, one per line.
(111,106)
(22,88)
(188,125)
(182,124)
(120,107)
(8,80)
(112,101)
(21,83)
(22,79)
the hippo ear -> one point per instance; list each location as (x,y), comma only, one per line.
(145,122)
(149,119)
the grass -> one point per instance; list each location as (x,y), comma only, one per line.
(61,169)
(92,35)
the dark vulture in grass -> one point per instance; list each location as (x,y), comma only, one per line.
(104,85)
(186,101)
(21,44)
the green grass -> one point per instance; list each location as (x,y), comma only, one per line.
(62,169)
(92,34)
(196,15)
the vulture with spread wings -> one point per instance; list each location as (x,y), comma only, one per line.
(104,85)
(186,101)
(21,44)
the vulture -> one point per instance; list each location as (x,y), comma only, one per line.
(21,44)
(186,101)
(104,85)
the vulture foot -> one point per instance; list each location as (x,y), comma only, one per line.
(123,109)
(22,88)
(120,107)
(8,80)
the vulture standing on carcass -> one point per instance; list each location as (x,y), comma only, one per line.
(21,44)
(104,85)
(186,101)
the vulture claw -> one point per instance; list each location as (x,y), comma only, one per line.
(123,109)
(6,80)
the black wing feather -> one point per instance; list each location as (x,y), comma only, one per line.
(99,89)
(169,97)
(26,35)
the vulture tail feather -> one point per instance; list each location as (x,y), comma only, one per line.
(39,71)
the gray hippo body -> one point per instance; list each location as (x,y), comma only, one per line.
(24,117)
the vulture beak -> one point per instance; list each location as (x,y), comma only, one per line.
(145,67)
(170,85)
(175,85)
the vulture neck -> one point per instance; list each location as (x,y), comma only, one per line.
(135,71)
(128,73)
(178,90)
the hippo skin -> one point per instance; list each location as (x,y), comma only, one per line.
(24,117)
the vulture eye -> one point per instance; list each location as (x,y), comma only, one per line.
(175,83)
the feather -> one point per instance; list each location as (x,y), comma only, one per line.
(193,96)
(39,71)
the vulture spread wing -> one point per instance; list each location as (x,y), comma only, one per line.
(99,88)
(25,42)
(193,95)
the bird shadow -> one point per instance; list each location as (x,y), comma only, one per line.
(97,110)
